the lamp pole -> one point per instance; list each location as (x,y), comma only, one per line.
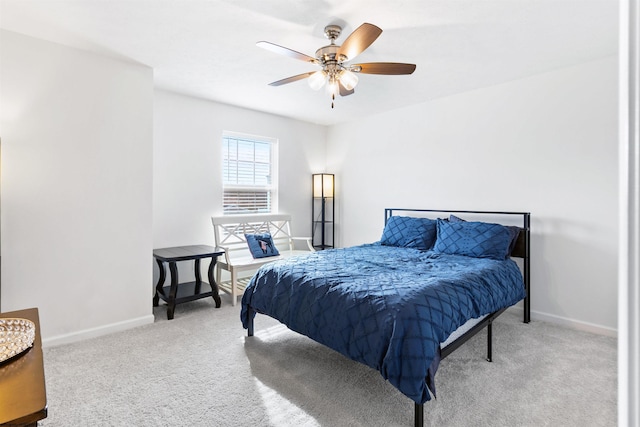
(324,199)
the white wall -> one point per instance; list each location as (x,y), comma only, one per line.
(76,133)
(545,144)
(187,185)
(79,157)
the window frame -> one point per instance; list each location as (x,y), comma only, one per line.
(271,188)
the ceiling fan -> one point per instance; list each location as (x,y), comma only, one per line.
(332,59)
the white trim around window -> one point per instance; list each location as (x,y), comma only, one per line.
(249,174)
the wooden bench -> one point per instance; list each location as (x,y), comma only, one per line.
(229,233)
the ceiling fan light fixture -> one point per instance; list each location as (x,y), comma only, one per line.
(317,79)
(333,87)
(348,79)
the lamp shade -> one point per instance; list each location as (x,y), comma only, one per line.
(316,80)
(332,86)
(323,185)
(349,80)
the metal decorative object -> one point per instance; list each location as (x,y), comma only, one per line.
(16,336)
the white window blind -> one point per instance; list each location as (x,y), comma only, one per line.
(249,184)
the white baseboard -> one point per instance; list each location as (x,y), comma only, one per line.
(96,332)
(567,322)
(132,323)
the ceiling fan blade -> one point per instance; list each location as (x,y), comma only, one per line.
(285,51)
(343,90)
(389,68)
(291,79)
(359,40)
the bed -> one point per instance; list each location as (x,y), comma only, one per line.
(402,304)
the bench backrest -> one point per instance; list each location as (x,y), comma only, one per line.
(229,231)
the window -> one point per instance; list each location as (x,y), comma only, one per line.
(248,174)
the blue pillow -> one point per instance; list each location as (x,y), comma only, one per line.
(513,229)
(474,239)
(453,218)
(515,233)
(409,232)
(261,245)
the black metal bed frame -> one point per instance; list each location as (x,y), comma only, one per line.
(522,250)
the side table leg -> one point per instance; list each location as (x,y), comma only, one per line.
(212,282)
(173,291)
(196,267)
(163,276)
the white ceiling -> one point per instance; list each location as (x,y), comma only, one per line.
(208,49)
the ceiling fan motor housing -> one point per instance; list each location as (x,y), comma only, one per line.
(328,54)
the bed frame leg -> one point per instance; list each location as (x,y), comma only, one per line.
(489,342)
(419,415)
(251,315)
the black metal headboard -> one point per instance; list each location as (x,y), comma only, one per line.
(522,248)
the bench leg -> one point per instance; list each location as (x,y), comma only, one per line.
(234,287)
(218,274)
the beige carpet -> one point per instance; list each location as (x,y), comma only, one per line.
(200,369)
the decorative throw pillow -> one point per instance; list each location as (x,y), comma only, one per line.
(513,229)
(515,233)
(453,218)
(474,239)
(409,232)
(261,245)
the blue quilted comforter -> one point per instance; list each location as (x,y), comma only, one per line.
(386,307)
